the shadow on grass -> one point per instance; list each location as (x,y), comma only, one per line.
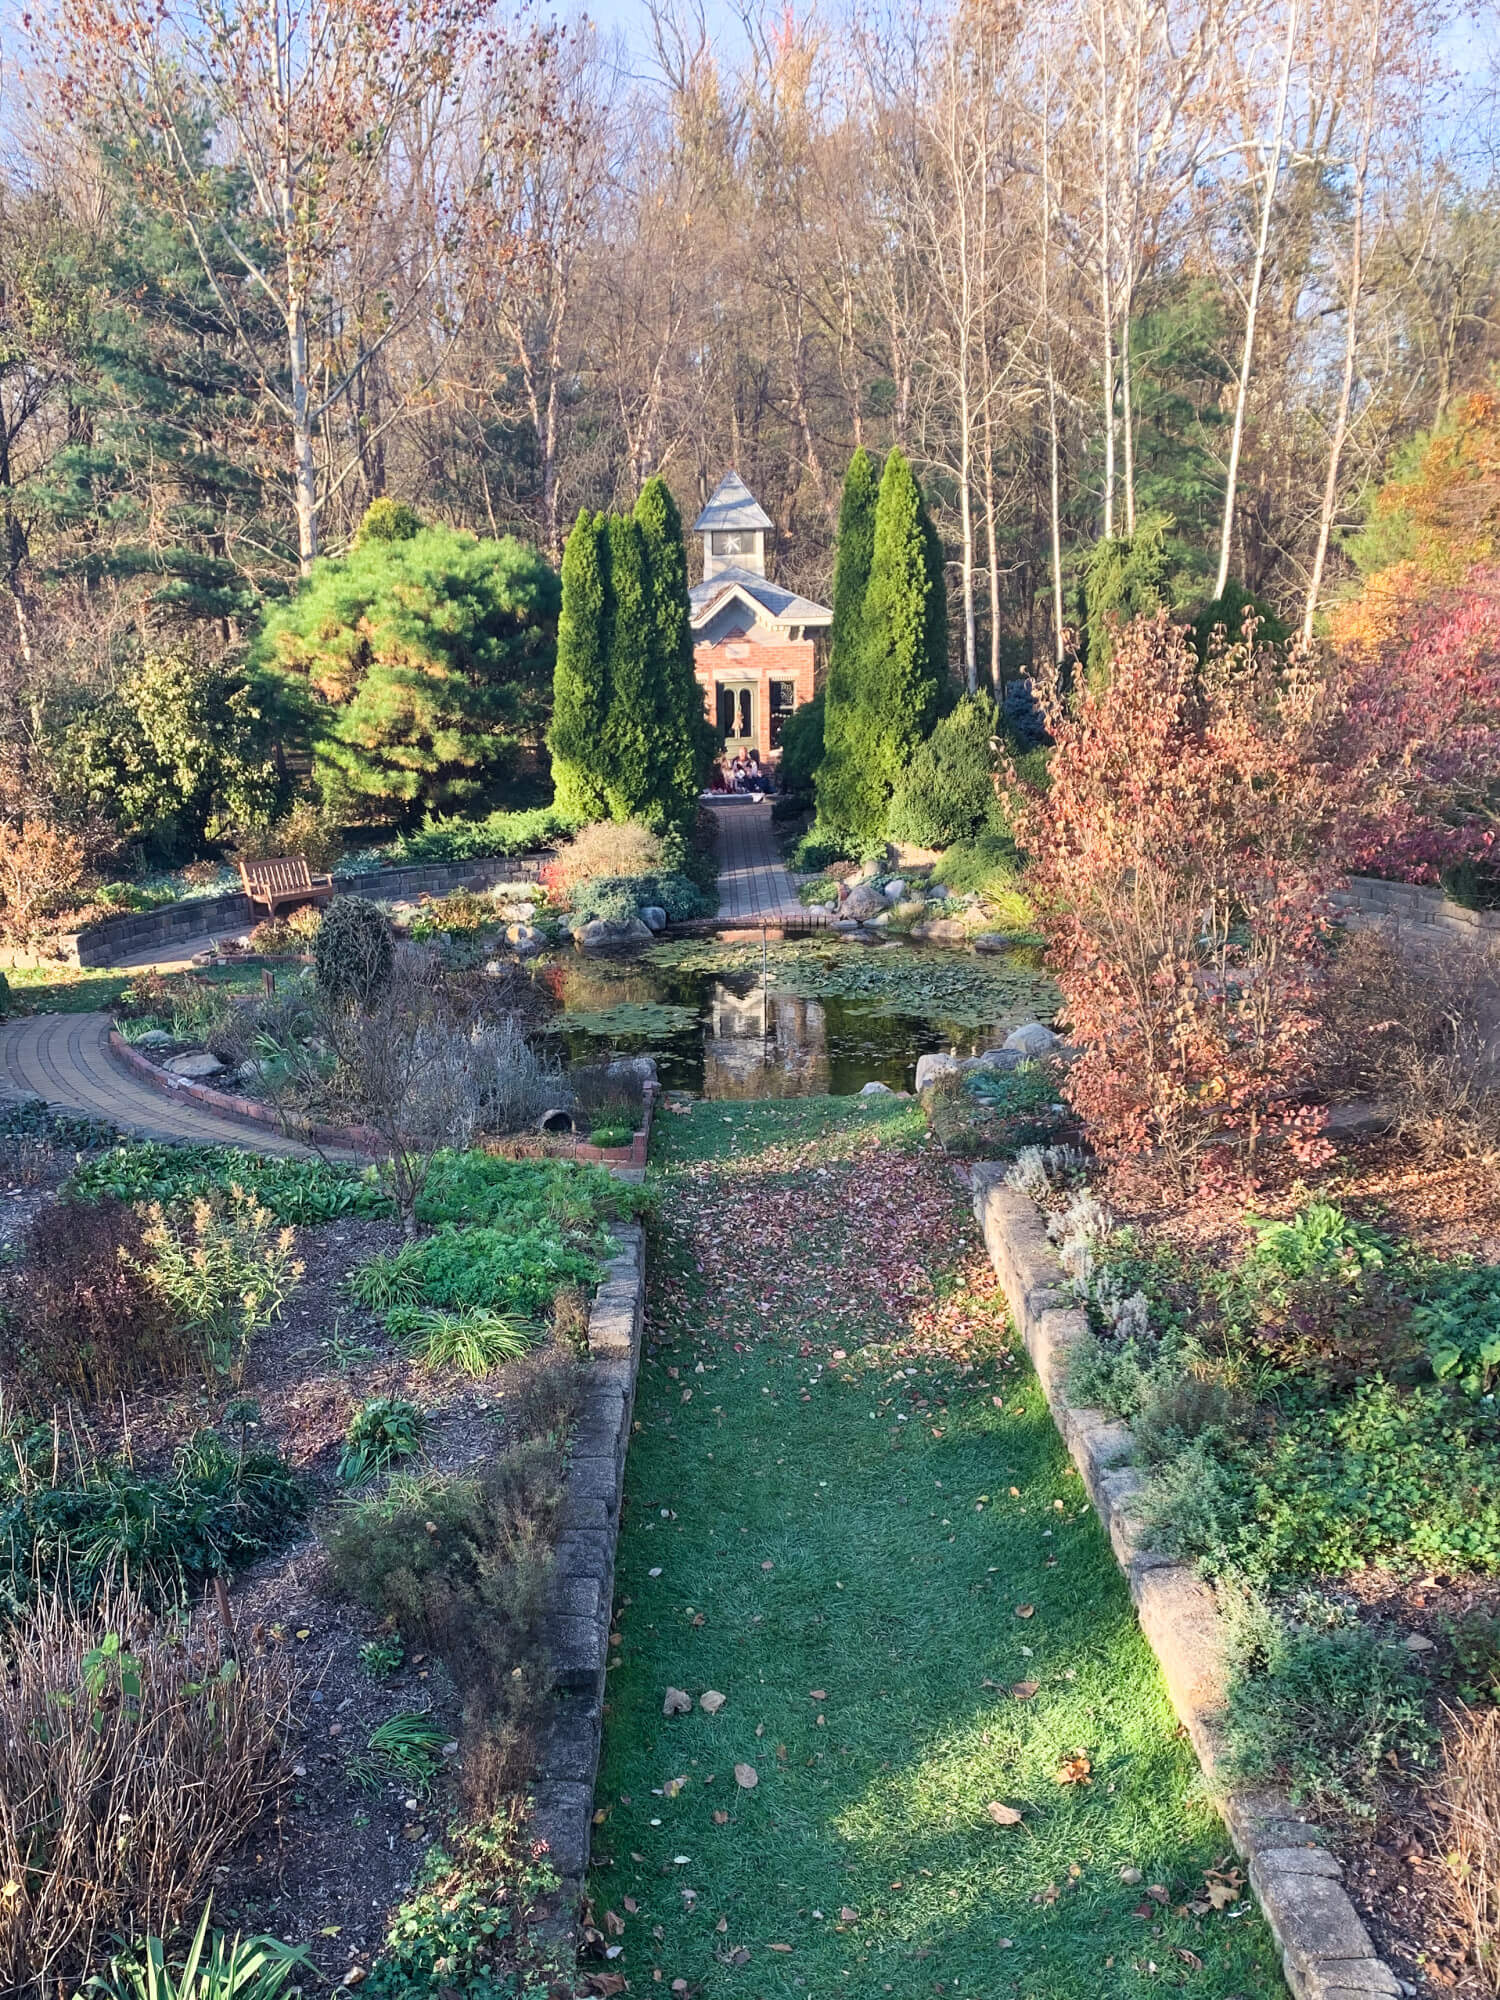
(867,1563)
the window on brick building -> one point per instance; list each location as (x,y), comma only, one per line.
(783,701)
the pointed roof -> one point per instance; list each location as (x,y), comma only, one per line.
(783,607)
(731,505)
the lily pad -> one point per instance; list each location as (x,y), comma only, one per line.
(628,1017)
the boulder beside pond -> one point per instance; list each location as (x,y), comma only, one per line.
(1032,1040)
(602,933)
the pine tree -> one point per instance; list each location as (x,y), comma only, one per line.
(580,682)
(684,746)
(837,779)
(432,657)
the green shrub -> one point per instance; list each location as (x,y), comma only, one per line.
(461,913)
(1458,1317)
(498,835)
(380,1434)
(353,952)
(989,866)
(819,893)
(510,1271)
(1340,1486)
(801,749)
(443,1939)
(295,1191)
(4,996)
(1319,1241)
(611,1135)
(1324,1712)
(947,791)
(620,897)
(816,849)
(484,1188)
(222,1275)
(460,1566)
(381,1658)
(70,1530)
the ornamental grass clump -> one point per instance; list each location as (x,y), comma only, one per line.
(134,1757)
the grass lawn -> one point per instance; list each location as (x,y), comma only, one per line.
(896,1581)
(66,989)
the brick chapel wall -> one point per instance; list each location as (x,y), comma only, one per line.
(764,661)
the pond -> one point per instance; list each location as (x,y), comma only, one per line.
(728,1017)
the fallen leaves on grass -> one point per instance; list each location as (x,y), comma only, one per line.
(676,1702)
(1075,1770)
(1003,1815)
(1024,1690)
(711,1701)
(746,1777)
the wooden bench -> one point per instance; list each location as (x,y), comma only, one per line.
(284,883)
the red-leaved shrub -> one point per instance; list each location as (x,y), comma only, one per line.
(1420,727)
(1182,856)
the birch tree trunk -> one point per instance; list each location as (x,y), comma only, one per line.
(1351,335)
(1268,201)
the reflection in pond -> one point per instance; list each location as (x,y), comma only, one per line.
(724,1034)
(757,1044)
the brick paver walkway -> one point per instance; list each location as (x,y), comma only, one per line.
(65,1059)
(752,881)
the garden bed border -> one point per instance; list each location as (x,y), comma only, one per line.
(102,943)
(581,1611)
(1326,1951)
(340,1138)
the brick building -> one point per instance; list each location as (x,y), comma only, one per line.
(754,644)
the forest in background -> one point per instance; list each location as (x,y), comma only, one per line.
(1127,283)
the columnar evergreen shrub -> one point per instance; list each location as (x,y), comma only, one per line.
(580,682)
(629,739)
(686,739)
(802,738)
(836,774)
(902,654)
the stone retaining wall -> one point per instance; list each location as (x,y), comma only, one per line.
(583,1578)
(114,938)
(1326,1951)
(1415,910)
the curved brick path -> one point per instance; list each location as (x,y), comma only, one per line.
(752,881)
(65,1059)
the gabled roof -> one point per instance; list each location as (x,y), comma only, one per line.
(731,505)
(782,607)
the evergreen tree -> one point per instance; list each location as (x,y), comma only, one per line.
(1126,577)
(685,739)
(836,777)
(433,657)
(159,480)
(632,784)
(580,682)
(902,656)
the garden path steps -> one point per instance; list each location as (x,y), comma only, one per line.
(752,881)
(65,1058)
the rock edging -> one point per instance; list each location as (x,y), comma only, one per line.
(341,1138)
(583,1579)
(1326,1952)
